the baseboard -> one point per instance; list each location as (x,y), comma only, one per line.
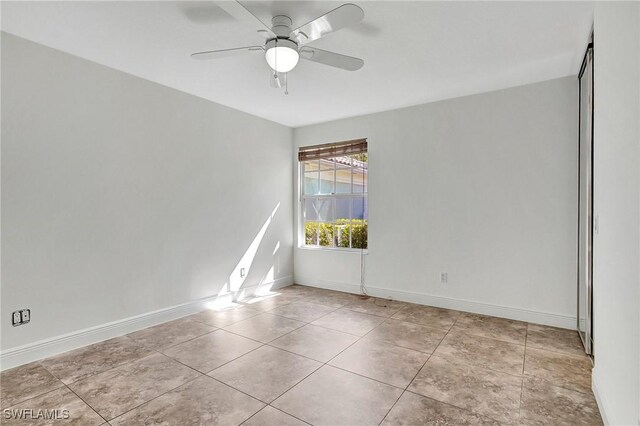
(599,400)
(535,317)
(48,347)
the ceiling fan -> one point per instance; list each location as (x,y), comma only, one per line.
(284,47)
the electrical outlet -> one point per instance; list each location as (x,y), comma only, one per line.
(444,277)
(20,317)
(16,319)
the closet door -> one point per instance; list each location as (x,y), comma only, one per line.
(585,203)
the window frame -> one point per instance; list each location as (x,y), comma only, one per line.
(335,196)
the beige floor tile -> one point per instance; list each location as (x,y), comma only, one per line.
(486,392)
(567,371)
(334,299)
(554,339)
(414,410)
(509,331)
(544,404)
(428,315)
(376,306)
(120,389)
(317,289)
(464,381)
(170,333)
(83,362)
(210,351)
(315,342)
(308,290)
(25,382)
(349,322)
(296,290)
(293,296)
(482,352)
(264,327)
(332,397)
(381,361)
(265,373)
(270,416)
(69,409)
(267,303)
(408,335)
(203,401)
(302,311)
(220,318)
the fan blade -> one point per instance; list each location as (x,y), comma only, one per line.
(333,59)
(223,53)
(338,18)
(265,34)
(242,14)
(274,82)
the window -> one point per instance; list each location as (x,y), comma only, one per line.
(334,186)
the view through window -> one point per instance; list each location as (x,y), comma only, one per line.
(334,201)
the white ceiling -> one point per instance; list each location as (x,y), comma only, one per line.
(414,52)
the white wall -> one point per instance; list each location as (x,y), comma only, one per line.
(122,197)
(616,302)
(483,187)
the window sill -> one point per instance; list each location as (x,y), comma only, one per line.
(334,250)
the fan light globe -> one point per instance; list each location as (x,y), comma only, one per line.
(282,56)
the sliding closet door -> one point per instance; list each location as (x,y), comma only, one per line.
(585,204)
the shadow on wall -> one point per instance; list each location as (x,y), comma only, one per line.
(237,287)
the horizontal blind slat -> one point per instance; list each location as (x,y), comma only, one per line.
(316,152)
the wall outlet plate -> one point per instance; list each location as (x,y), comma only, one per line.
(16,319)
(26,315)
(20,317)
(444,277)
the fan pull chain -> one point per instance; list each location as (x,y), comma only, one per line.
(275,75)
(286,83)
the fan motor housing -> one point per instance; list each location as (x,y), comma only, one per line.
(281,25)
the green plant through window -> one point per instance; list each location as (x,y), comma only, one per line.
(334,201)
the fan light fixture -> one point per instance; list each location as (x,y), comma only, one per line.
(283,44)
(282,55)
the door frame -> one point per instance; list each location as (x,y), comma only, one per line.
(588,343)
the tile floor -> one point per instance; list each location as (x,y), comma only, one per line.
(313,356)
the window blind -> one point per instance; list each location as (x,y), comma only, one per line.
(335,149)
